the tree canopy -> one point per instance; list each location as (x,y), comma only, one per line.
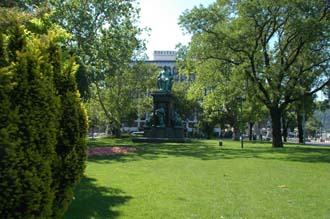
(105,38)
(279,48)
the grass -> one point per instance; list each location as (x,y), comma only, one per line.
(202,180)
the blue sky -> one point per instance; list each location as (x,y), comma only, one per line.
(162,17)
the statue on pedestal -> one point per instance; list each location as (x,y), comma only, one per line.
(165,80)
(163,124)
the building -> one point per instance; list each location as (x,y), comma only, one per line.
(163,58)
(164,55)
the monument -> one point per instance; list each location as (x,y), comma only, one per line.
(164,123)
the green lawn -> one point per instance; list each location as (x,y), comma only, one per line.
(202,180)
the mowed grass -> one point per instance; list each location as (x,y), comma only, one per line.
(202,180)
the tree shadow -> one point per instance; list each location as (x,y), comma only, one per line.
(294,154)
(204,151)
(93,201)
(109,142)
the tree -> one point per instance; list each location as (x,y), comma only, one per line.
(125,96)
(289,121)
(280,46)
(144,78)
(253,111)
(312,126)
(28,128)
(304,109)
(70,147)
(218,95)
(97,120)
(43,125)
(105,39)
(27,5)
(104,36)
(183,104)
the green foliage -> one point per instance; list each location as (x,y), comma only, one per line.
(29,112)
(37,87)
(280,48)
(123,96)
(312,126)
(70,148)
(183,104)
(104,37)
(83,81)
(23,4)
(144,81)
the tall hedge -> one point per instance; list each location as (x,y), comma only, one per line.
(70,147)
(42,123)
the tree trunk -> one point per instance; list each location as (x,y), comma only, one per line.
(275,113)
(116,132)
(300,128)
(208,130)
(250,130)
(285,129)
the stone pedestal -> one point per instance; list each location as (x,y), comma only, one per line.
(163,100)
(162,127)
(167,132)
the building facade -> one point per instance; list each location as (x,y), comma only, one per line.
(167,58)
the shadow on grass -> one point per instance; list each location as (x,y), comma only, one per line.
(210,151)
(93,201)
(103,142)
(295,154)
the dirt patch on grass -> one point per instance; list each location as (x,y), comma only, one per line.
(109,151)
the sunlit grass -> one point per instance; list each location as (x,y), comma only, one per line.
(202,180)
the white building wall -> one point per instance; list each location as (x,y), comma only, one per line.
(160,55)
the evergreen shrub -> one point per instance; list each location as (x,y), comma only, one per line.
(42,122)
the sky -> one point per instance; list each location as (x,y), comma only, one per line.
(162,17)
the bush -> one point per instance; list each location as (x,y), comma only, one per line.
(70,147)
(28,129)
(42,123)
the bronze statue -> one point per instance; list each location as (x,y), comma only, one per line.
(160,114)
(165,80)
(176,120)
(156,118)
